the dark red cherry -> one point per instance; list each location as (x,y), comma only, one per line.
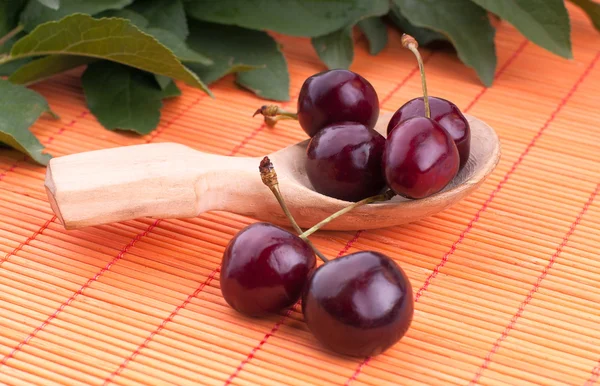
(344,161)
(420,158)
(336,96)
(264,269)
(444,112)
(359,304)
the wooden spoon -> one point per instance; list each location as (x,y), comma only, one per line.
(169,180)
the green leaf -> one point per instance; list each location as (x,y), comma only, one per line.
(45,67)
(592,9)
(9,15)
(19,109)
(424,36)
(164,14)
(376,33)
(544,22)
(121,97)
(112,39)
(464,23)
(135,18)
(10,67)
(336,49)
(52,4)
(178,46)
(35,13)
(170,90)
(253,55)
(290,17)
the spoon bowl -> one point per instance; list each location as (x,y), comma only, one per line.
(168,180)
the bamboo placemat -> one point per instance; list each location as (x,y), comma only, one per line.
(506,282)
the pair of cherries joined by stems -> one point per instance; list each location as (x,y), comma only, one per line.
(362,303)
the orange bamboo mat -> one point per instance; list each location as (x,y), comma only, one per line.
(506,282)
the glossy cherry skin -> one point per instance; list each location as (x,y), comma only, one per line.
(264,269)
(359,304)
(336,96)
(344,161)
(420,158)
(444,112)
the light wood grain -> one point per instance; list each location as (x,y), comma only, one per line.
(169,180)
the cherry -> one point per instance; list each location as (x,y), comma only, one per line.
(264,269)
(359,304)
(444,112)
(344,161)
(420,158)
(336,96)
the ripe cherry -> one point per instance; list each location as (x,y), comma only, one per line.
(359,304)
(336,96)
(444,112)
(344,161)
(420,158)
(264,269)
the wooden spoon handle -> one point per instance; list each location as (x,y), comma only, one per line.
(164,180)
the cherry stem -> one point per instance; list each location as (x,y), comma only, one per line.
(274,113)
(369,200)
(269,178)
(11,33)
(412,44)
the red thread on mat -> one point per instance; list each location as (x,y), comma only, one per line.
(161,327)
(258,347)
(403,81)
(534,289)
(13,167)
(159,131)
(79,292)
(358,371)
(29,239)
(594,376)
(64,128)
(500,72)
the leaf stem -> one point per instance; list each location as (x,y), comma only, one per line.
(412,44)
(11,33)
(380,197)
(269,178)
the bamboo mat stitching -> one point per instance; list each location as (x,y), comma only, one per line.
(29,239)
(160,327)
(256,348)
(463,234)
(79,292)
(594,376)
(277,325)
(347,247)
(98,274)
(534,289)
(158,131)
(10,169)
(64,128)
